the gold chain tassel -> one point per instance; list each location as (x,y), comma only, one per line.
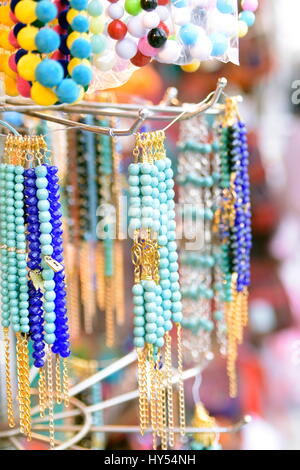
(26,391)
(168,366)
(43,398)
(143,396)
(50,398)
(10,411)
(65,382)
(20,372)
(180,382)
(58,385)
(153,401)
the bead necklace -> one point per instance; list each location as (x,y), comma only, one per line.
(235,230)
(198,185)
(33,291)
(156,294)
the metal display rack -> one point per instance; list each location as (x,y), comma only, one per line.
(164,112)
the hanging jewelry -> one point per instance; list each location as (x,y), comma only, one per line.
(156,294)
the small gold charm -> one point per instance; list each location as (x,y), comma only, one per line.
(36,277)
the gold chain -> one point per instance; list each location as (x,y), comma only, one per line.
(26,391)
(65,383)
(168,366)
(42,392)
(143,398)
(50,398)
(153,401)
(58,391)
(180,383)
(10,411)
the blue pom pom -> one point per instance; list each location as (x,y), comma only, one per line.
(189,34)
(248,17)
(68,91)
(225,6)
(49,73)
(79,4)
(80,24)
(82,75)
(179,3)
(46,11)
(47,40)
(220,44)
(81,48)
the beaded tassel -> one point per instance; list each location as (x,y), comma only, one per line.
(156,295)
(235,231)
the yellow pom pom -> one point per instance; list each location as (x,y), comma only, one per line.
(27,65)
(10,87)
(243,29)
(71,38)
(96,25)
(7,70)
(4,15)
(4,42)
(75,61)
(72,13)
(25,11)
(2,61)
(81,95)
(26,37)
(42,95)
(192,67)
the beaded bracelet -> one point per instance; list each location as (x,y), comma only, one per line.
(156,294)
(235,230)
(33,287)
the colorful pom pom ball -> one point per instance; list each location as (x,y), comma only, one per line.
(49,73)
(81,48)
(26,66)
(98,43)
(47,40)
(46,11)
(79,4)
(25,11)
(42,95)
(82,75)
(80,24)
(26,38)
(95,8)
(68,91)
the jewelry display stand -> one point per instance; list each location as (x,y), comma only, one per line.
(163,112)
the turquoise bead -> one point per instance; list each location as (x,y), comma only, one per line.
(166,294)
(16,327)
(162,240)
(45,227)
(154,181)
(160,342)
(134,191)
(134,212)
(164,263)
(167,304)
(47,250)
(146,190)
(45,239)
(147,212)
(139,331)
(48,274)
(40,170)
(176,307)
(139,342)
(146,168)
(168,325)
(44,216)
(147,201)
(160,332)
(43,205)
(151,338)
(138,310)
(176,296)
(138,300)
(49,338)
(49,306)
(25,328)
(163,252)
(149,286)
(133,169)
(146,180)
(165,283)
(49,317)
(150,306)
(133,180)
(5,323)
(137,289)
(42,194)
(174,277)
(160,321)
(49,285)
(138,321)
(49,327)
(149,296)
(135,224)
(164,274)
(41,183)
(151,317)
(160,164)
(135,202)
(146,222)
(177,317)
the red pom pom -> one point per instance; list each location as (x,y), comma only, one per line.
(13,17)
(113,1)
(59,29)
(13,40)
(57,55)
(163,26)
(12,62)
(163,2)
(23,87)
(117,29)
(139,60)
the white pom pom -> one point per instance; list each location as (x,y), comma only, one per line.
(106,61)
(162,12)
(202,49)
(151,19)
(136,27)
(170,52)
(181,16)
(126,48)
(115,11)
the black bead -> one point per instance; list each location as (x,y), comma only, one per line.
(157,37)
(149,5)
